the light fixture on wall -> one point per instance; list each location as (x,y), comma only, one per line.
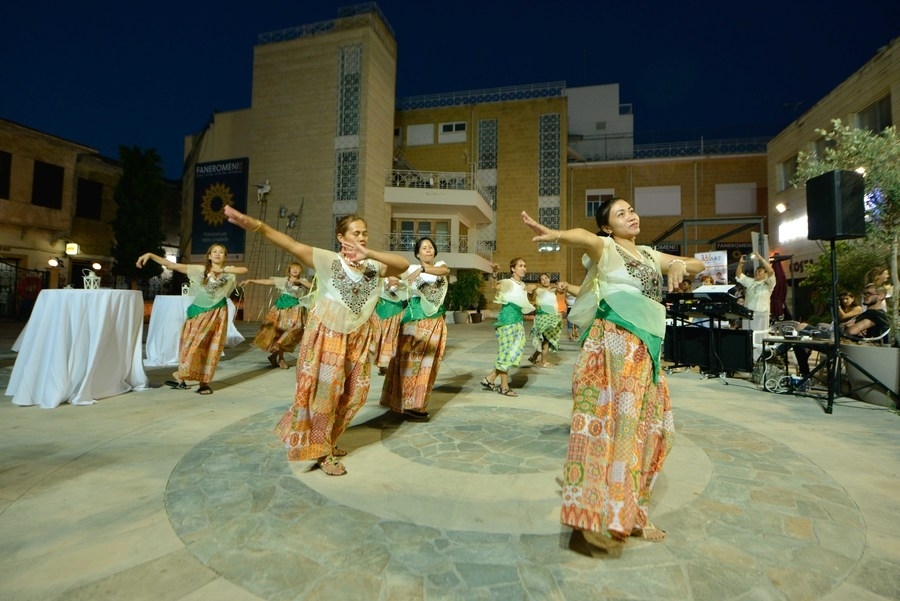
(72,248)
(55,262)
(96,266)
(781,207)
(548,247)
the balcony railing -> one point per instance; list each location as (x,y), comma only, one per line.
(483,96)
(441,180)
(444,243)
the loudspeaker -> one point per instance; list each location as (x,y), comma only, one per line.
(834,206)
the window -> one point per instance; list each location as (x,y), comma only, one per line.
(786,172)
(453,132)
(5,173)
(876,117)
(47,185)
(420,135)
(89,199)
(821,146)
(593,199)
(658,201)
(405,232)
(736,199)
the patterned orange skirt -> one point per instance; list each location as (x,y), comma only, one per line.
(622,430)
(386,340)
(202,341)
(281,330)
(333,376)
(412,372)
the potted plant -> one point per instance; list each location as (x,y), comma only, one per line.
(482,303)
(463,294)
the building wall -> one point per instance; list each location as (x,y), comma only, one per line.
(696,178)
(31,235)
(517,169)
(878,78)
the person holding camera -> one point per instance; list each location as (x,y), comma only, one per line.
(757,290)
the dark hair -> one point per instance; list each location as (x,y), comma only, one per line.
(513,262)
(344,222)
(419,245)
(602,213)
(848,294)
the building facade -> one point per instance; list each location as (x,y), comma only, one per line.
(56,204)
(870,98)
(324,132)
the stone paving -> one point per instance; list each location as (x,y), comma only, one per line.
(167,495)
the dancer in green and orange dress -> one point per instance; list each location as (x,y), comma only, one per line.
(423,336)
(333,364)
(282,328)
(205,330)
(622,425)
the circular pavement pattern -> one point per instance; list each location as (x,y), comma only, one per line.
(765,523)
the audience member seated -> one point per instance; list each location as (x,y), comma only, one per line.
(848,308)
(870,326)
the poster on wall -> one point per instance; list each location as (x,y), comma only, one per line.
(217,184)
(716,266)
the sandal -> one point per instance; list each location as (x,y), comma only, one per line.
(331,466)
(487,385)
(649,533)
(177,385)
(204,389)
(273,359)
(507,391)
(282,364)
(338,452)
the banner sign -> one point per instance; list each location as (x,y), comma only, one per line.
(716,265)
(217,184)
(735,250)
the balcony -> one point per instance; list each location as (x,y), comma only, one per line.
(459,253)
(438,193)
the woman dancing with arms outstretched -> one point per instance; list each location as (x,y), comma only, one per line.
(333,366)
(622,425)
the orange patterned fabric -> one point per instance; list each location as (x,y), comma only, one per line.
(333,375)
(622,429)
(411,374)
(386,339)
(281,330)
(202,341)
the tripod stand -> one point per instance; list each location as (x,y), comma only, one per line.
(834,362)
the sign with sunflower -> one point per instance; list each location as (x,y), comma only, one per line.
(217,184)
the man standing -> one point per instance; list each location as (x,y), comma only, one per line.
(757,291)
(872,323)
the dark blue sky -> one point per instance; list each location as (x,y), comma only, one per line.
(105,73)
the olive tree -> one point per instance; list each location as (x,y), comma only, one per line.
(877,157)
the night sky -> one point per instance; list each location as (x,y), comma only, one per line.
(106,74)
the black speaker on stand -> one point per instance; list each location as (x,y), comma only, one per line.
(834,206)
(835,211)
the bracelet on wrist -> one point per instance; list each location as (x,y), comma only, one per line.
(683,264)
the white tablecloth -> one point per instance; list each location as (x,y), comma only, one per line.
(164,331)
(79,346)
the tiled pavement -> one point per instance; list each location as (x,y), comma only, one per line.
(168,495)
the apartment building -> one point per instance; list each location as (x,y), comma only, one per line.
(870,98)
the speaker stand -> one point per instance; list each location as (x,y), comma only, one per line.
(835,359)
